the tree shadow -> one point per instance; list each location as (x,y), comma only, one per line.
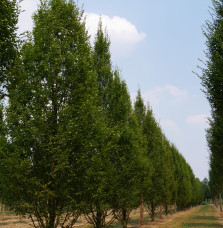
(209,218)
(201,225)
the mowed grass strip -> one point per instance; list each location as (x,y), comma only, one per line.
(202,217)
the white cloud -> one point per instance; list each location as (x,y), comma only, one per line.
(123,34)
(161,94)
(169,125)
(197,119)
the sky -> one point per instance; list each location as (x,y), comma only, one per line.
(157,46)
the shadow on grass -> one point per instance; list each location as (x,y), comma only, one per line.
(201,225)
(209,218)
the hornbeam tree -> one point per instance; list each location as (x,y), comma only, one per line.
(98,204)
(53,126)
(127,158)
(212,80)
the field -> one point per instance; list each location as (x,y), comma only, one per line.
(201,216)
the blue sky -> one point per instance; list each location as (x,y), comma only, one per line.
(156,44)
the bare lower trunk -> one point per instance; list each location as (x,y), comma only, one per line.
(166,209)
(171,209)
(161,211)
(141,211)
(220,202)
(153,212)
(3,212)
(124,218)
(216,202)
(175,207)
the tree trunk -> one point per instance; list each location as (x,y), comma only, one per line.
(52,214)
(3,212)
(153,212)
(161,211)
(175,207)
(216,201)
(141,211)
(166,209)
(124,218)
(171,209)
(220,202)
(99,219)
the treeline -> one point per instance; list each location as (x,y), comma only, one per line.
(70,141)
(212,81)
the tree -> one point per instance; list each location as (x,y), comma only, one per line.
(215,144)
(145,178)
(53,126)
(154,137)
(99,203)
(206,189)
(212,80)
(212,77)
(8,19)
(127,157)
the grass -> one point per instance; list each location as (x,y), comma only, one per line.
(202,217)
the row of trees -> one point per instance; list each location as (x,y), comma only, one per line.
(70,141)
(212,80)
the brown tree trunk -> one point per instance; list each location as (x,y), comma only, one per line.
(171,209)
(3,212)
(216,202)
(161,211)
(153,212)
(220,202)
(166,209)
(141,211)
(175,207)
(124,218)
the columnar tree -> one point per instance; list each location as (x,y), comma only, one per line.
(154,136)
(145,179)
(212,80)
(53,125)
(98,204)
(126,158)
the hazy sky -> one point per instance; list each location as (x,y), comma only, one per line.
(157,44)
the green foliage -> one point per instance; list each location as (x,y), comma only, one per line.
(212,77)
(215,144)
(70,141)
(8,43)
(52,118)
(212,80)
(206,188)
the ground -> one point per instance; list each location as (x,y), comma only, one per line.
(201,216)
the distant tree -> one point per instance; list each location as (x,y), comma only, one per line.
(53,123)
(126,158)
(184,191)
(206,189)
(145,179)
(155,152)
